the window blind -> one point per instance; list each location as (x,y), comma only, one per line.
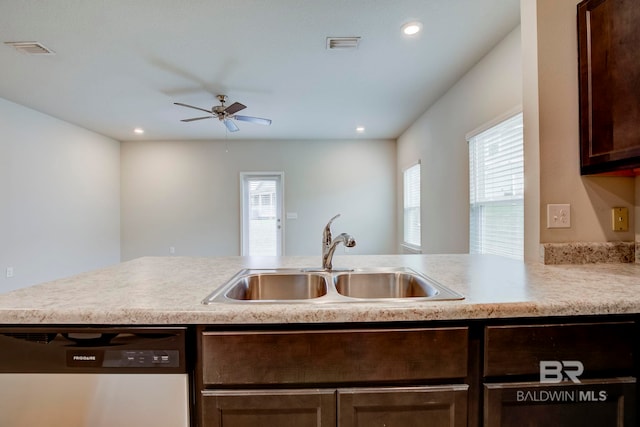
(496,189)
(412,206)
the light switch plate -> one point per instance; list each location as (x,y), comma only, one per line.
(559,216)
(620,219)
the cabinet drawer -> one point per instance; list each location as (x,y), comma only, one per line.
(518,350)
(333,357)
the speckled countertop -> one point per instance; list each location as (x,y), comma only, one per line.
(169,290)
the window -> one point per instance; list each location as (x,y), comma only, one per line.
(496,189)
(412,206)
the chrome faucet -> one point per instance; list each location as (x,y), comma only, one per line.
(329,246)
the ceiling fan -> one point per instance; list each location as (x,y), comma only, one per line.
(225,114)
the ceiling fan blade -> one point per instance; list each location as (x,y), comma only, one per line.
(234,108)
(196,118)
(230,125)
(256,120)
(191,106)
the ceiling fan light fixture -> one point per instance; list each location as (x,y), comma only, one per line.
(411,28)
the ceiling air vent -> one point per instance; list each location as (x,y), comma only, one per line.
(334,43)
(31,48)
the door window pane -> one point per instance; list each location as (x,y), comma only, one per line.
(412,206)
(262,219)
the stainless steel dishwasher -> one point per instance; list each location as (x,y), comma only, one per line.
(93,377)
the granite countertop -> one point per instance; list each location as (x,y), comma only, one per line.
(169,290)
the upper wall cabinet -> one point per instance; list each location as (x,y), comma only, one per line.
(609,77)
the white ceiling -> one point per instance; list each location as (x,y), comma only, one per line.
(121,64)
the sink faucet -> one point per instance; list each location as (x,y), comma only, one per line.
(329,246)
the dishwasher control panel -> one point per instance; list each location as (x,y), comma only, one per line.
(117,350)
(153,359)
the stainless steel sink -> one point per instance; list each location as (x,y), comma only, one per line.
(321,286)
(398,284)
(278,286)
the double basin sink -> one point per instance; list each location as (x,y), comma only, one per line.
(320,286)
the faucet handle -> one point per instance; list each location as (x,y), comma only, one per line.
(326,234)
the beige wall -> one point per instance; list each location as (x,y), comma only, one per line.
(529,37)
(490,89)
(591,198)
(186,194)
(59,198)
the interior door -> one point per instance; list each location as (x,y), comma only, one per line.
(262,207)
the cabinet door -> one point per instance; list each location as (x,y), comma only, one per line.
(609,75)
(268,408)
(432,406)
(602,403)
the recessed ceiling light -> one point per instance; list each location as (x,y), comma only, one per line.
(411,28)
(360,129)
(138,131)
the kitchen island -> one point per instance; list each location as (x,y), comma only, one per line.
(469,362)
(169,290)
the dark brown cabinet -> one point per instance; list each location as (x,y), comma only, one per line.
(444,405)
(602,403)
(251,408)
(517,350)
(344,377)
(455,374)
(334,357)
(403,407)
(576,374)
(609,86)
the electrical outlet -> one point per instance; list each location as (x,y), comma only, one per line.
(9,272)
(620,219)
(172,250)
(559,216)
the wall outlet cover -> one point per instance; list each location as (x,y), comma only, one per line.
(620,219)
(559,216)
